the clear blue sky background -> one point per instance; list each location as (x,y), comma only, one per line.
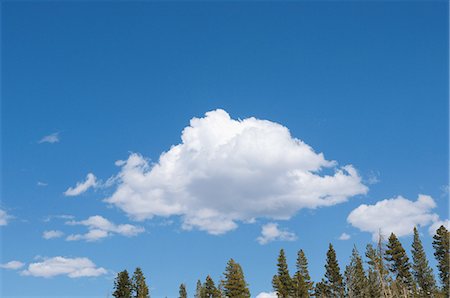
(364,82)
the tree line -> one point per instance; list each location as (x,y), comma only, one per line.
(389,274)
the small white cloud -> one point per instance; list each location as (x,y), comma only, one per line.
(267,295)
(39,183)
(373,178)
(437,224)
(227,171)
(445,190)
(71,267)
(4,217)
(12,265)
(397,215)
(81,187)
(344,236)
(52,138)
(99,228)
(270,232)
(52,234)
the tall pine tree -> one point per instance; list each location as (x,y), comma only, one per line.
(423,274)
(140,289)
(199,290)
(122,285)
(234,284)
(356,280)
(282,282)
(333,277)
(399,265)
(302,284)
(209,289)
(441,252)
(182,291)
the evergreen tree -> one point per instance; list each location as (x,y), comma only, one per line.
(282,282)
(209,289)
(302,284)
(422,272)
(399,264)
(234,284)
(321,290)
(122,285)
(182,291)
(199,290)
(334,280)
(355,276)
(441,252)
(140,289)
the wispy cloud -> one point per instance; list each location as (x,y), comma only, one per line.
(52,138)
(270,232)
(52,234)
(81,187)
(99,228)
(12,265)
(4,217)
(344,236)
(40,183)
(71,267)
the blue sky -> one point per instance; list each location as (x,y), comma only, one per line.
(364,83)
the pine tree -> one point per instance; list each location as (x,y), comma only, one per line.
(302,284)
(209,289)
(441,252)
(422,272)
(355,276)
(334,280)
(399,264)
(199,290)
(282,282)
(122,285)
(234,284)
(321,290)
(183,292)
(140,289)
(374,276)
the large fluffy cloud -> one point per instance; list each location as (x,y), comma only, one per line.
(397,215)
(71,267)
(270,232)
(99,227)
(226,170)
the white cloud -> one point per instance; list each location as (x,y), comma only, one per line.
(344,236)
(12,265)
(397,215)
(81,187)
(270,232)
(4,217)
(226,170)
(52,234)
(71,267)
(99,228)
(267,295)
(437,224)
(52,138)
(40,183)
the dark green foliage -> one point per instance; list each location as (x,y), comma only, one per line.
(122,285)
(182,291)
(209,289)
(302,284)
(422,272)
(282,282)
(356,280)
(199,290)
(234,284)
(441,252)
(321,290)
(333,277)
(140,289)
(399,264)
